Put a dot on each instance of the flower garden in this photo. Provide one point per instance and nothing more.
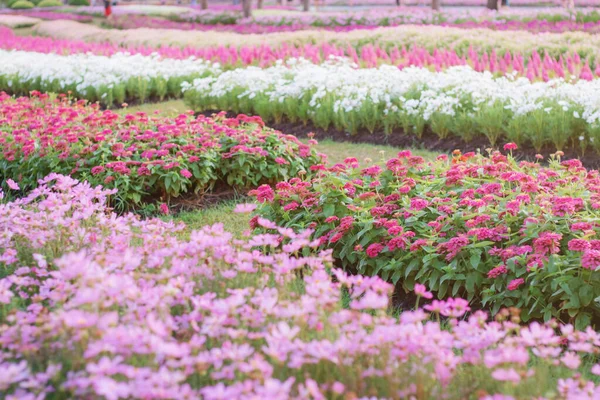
(199, 205)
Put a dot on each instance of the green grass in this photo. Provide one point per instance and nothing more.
(218, 213)
(338, 151)
(169, 108)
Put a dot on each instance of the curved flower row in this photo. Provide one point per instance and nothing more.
(94, 305)
(459, 101)
(113, 79)
(146, 157)
(487, 228)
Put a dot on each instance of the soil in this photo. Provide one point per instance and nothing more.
(428, 141)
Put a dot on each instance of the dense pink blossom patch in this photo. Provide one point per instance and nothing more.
(490, 228)
(146, 157)
(95, 305)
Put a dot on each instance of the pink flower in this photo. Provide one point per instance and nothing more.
(497, 271)
(374, 249)
(164, 209)
(263, 194)
(591, 259)
(186, 173)
(579, 245)
(244, 208)
(515, 283)
(291, 206)
(506, 375)
(510, 146)
(421, 291)
(12, 184)
(97, 169)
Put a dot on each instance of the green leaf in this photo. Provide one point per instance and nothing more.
(582, 321)
(475, 259)
(480, 244)
(586, 295)
(413, 264)
(471, 279)
(328, 210)
(396, 276)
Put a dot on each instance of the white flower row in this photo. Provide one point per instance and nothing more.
(457, 88)
(84, 72)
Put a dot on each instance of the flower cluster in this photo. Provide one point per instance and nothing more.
(94, 305)
(146, 157)
(487, 228)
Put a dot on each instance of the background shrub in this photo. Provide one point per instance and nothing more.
(50, 3)
(22, 5)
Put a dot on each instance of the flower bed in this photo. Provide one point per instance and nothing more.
(458, 101)
(534, 67)
(110, 80)
(486, 228)
(95, 305)
(148, 159)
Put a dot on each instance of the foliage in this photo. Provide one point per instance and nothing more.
(490, 229)
(147, 158)
(50, 3)
(79, 2)
(22, 5)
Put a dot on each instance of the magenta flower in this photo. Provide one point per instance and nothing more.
(515, 283)
(510, 146)
(186, 173)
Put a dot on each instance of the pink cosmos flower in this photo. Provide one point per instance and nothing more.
(421, 291)
(244, 208)
(506, 375)
(12, 184)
